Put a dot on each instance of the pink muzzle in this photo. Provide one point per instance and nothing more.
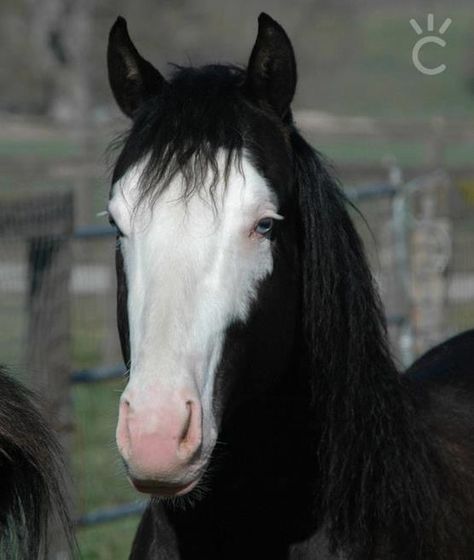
(160, 437)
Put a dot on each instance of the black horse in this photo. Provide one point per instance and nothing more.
(263, 403)
(31, 481)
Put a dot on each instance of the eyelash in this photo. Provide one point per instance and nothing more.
(115, 226)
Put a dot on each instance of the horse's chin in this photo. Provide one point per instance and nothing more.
(163, 489)
(171, 483)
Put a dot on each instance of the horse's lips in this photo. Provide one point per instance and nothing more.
(162, 489)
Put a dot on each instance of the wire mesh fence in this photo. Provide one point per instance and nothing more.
(419, 238)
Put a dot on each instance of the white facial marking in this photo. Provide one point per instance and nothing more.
(191, 271)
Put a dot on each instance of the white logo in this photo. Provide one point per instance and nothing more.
(415, 54)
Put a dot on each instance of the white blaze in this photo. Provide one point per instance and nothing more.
(192, 269)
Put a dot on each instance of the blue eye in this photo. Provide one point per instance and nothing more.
(264, 227)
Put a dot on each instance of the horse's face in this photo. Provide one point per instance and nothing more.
(205, 277)
(193, 268)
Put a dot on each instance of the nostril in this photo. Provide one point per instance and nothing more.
(122, 433)
(186, 428)
(124, 409)
(124, 406)
(190, 439)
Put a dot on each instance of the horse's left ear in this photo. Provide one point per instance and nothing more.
(271, 72)
(132, 78)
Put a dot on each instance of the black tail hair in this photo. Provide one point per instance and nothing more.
(382, 478)
(31, 480)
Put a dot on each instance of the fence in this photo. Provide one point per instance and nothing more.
(411, 263)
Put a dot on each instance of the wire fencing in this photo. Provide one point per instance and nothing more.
(419, 237)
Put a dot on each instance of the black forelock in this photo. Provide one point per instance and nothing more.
(200, 112)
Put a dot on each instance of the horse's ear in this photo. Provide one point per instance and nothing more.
(271, 72)
(132, 78)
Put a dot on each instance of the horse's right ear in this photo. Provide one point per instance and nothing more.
(132, 78)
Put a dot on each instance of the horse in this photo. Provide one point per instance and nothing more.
(31, 482)
(263, 411)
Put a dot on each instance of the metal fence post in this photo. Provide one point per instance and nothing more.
(400, 219)
(430, 247)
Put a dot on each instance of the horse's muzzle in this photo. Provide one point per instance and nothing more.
(160, 440)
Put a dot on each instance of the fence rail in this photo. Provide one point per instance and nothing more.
(106, 515)
(98, 374)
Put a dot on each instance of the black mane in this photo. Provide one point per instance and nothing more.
(31, 477)
(380, 468)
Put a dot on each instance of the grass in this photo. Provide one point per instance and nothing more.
(108, 542)
(89, 332)
(96, 409)
(98, 477)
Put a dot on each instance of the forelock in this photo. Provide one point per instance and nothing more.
(198, 117)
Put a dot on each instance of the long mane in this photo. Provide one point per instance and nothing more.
(31, 484)
(380, 471)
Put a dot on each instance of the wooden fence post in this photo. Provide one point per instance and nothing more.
(45, 221)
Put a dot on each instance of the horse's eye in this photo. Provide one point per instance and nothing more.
(115, 226)
(264, 227)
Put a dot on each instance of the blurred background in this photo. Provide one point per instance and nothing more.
(402, 142)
